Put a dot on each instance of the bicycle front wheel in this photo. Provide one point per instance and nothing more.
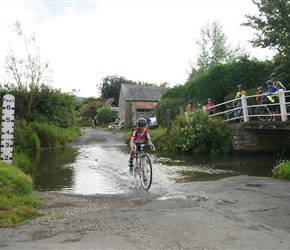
(262, 112)
(113, 129)
(123, 129)
(146, 173)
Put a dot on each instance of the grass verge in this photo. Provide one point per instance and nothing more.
(18, 202)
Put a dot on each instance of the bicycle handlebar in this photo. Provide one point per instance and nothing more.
(144, 145)
(141, 145)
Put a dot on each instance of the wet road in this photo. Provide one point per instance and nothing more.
(97, 163)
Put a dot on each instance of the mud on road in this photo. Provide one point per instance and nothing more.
(233, 213)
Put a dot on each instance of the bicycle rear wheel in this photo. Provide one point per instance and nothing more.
(262, 112)
(146, 173)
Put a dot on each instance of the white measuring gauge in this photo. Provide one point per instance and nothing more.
(7, 128)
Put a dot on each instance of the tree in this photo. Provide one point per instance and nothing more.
(89, 109)
(106, 115)
(213, 49)
(27, 73)
(272, 25)
(273, 32)
(111, 86)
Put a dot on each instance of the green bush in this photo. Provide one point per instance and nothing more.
(159, 138)
(25, 139)
(51, 135)
(200, 135)
(282, 171)
(22, 161)
(106, 115)
(46, 133)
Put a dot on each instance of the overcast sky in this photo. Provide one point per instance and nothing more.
(141, 40)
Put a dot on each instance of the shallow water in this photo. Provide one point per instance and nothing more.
(104, 169)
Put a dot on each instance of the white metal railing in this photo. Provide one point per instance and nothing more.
(249, 111)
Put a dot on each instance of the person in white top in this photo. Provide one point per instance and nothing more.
(277, 84)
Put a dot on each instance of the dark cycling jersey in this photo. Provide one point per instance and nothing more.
(140, 137)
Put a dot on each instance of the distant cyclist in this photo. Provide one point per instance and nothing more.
(260, 97)
(118, 120)
(140, 134)
(272, 99)
(277, 84)
(239, 94)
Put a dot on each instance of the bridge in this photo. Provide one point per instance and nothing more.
(251, 131)
(251, 111)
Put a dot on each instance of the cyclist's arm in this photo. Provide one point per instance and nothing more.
(152, 147)
(132, 143)
(282, 86)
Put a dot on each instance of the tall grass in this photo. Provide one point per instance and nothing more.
(17, 199)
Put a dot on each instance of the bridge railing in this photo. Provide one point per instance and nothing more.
(249, 106)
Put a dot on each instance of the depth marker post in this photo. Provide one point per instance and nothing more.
(7, 128)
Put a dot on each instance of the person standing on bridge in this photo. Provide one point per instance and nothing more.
(260, 96)
(239, 94)
(277, 84)
(271, 99)
(210, 106)
(240, 91)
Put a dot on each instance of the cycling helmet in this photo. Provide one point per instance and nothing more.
(272, 75)
(260, 88)
(208, 99)
(141, 122)
(269, 82)
(240, 86)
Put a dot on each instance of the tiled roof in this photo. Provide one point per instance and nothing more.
(142, 93)
(106, 101)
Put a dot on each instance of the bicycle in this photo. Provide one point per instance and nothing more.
(235, 112)
(118, 128)
(142, 169)
(262, 112)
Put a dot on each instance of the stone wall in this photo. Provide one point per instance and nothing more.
(260, 137)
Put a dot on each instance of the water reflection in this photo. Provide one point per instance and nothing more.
(54, 168)
(204, 168)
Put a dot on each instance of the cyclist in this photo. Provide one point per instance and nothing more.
(239, 94)
(140, 134)
(209, 106)
(118, 120)
(240, 91)
(276, 84)
(271, 99)
(260, 97)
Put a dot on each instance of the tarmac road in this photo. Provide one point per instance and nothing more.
(233, 213)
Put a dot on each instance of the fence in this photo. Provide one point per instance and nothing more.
(248, 108)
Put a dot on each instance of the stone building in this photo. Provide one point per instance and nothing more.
(137, 100)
